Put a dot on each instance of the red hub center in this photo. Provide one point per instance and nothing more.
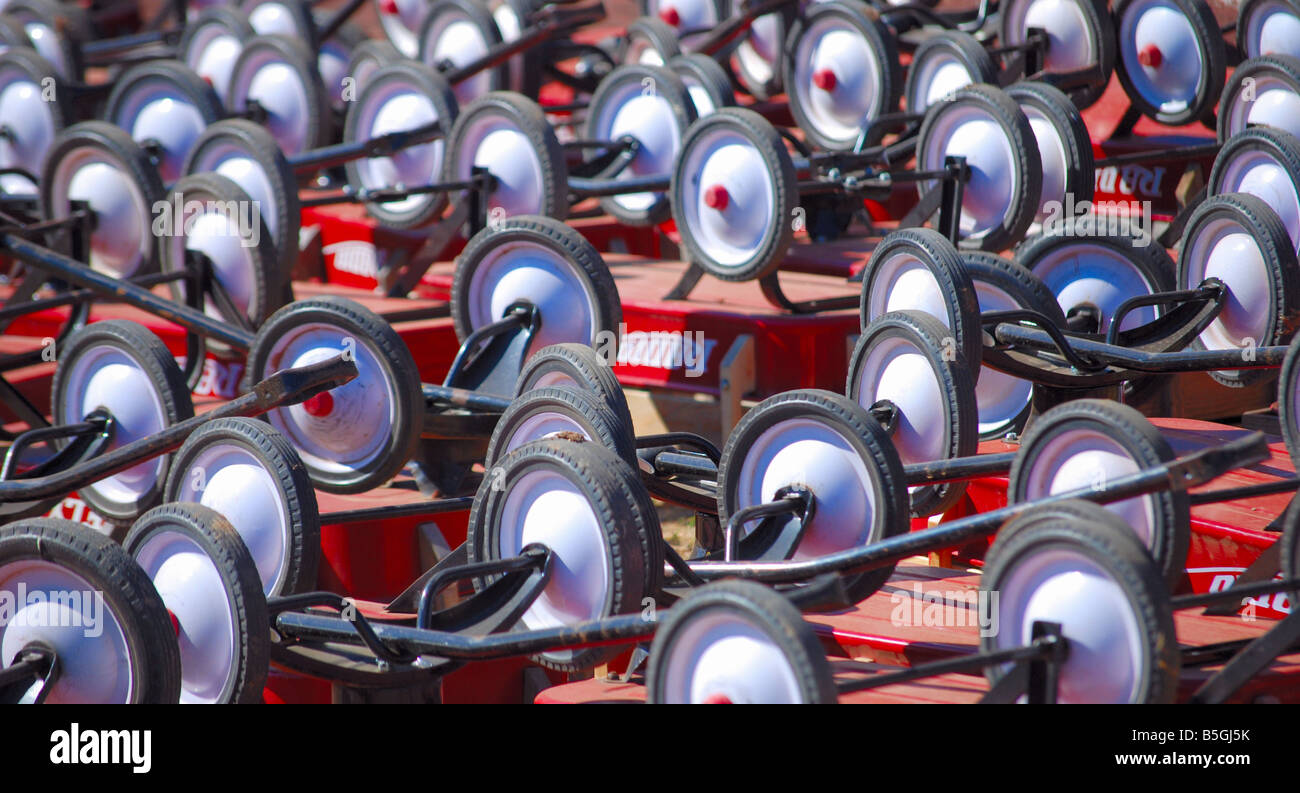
(388, 7)
(176, 624)
(715, 197)
(717, 699)
(1150, 56)
(670, 16)
(320, 405)
(825, 79)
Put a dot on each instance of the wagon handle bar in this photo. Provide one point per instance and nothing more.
(1180, 474)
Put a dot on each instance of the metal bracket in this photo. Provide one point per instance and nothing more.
(30, 677)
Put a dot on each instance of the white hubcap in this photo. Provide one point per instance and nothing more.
(64, 611)
(192, 589)
(231, 481)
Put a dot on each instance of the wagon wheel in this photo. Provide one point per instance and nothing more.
(121, 367)
(135, 657)
(359, 435)
(1080, 35)
(508, 134)
(907, 366)
(834, 448)
(841, 73)
(398, 97)
(589, 508)
(1266, 164)
(1268, 27)
(1172, 58)
(734, 194)
(275, 78)
(560, 411)
(737, 642)
(986, 127)
(652, 105)
(208, 582)
(1089, 442)
(165, 106)
(250, 474)
(211, 43)
(545, 264)
(1080, 566)
(1240, 240)
(918, 269)
(1262, 92)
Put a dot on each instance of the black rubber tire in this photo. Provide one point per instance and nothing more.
(228, 554)
(1282, 146)
(948, 268)
(852, 422)
(229, 18)
(70, 23)
(771, 146)
(1258, 220)
(666, 85)
(577, 366)
(598, 422)
(1290, 544)
(257, 145)
(1026, 292)
(527, 116)
(298, 11)
(698, 70)
(269, 281)
(155, 654)
(955, 376)
(168, 382)
(368, 56)
(278, 457)
(883, 45)
(1214, 54)
(758, 87)
(1150, 261)
(302, 61)
(1020, 137)
(31, 66)
(1288, 399)
(624, 511)
(1061, 113)
(1102, 30)
(763, 608)
(175, 74)
(475, 13)
(360, 323)
(1139, 438)
(1284, 68)
(13, 35)
(1020, 284)
(431, 86)
(962, 46)
(1247, 48)
(128, 157)
(1109, 544)
(657, 34)
(553, 236)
